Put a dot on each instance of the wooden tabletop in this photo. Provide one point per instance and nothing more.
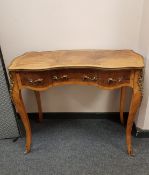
(106, 59)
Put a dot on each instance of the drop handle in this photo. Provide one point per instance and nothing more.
(55, 77)
(111, 80)
(85, 77)
(36, 82)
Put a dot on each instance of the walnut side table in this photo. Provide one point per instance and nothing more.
(106, 69)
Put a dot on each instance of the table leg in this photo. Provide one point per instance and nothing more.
(18, 101)
(135, 103)
(122, 104)
(38, 99)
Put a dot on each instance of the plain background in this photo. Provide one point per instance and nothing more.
(33, 25)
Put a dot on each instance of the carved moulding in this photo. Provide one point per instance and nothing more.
(140, 81)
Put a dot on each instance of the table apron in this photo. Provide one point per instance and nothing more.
(105, 79)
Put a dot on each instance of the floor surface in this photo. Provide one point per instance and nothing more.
(75, 147)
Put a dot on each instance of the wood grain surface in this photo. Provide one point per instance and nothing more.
(107, 59)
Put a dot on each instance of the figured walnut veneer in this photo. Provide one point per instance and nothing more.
(108, 59)
(106, 69)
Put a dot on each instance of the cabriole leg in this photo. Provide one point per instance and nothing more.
(18, 102)
(38, 99)
(122, 104)
(135, 103)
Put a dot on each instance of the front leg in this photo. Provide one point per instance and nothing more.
(135, 103)
(18, 102)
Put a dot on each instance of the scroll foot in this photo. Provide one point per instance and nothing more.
(130, 151)
(26, 151)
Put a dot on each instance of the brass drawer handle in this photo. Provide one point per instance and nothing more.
(120, 79)
(63, 77)
(111, 80)
(35, 82)
(85, 77)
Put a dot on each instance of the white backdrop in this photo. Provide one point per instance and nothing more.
(33, 25)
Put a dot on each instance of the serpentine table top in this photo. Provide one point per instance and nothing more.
(107, 59)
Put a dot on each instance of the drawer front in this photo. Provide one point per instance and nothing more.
(114, 78)
(35, 79)
(107, 78)
(74, 75)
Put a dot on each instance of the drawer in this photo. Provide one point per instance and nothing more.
(74, 75)
(35, 79)
(114, 78)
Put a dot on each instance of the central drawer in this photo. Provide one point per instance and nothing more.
(74, 75)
